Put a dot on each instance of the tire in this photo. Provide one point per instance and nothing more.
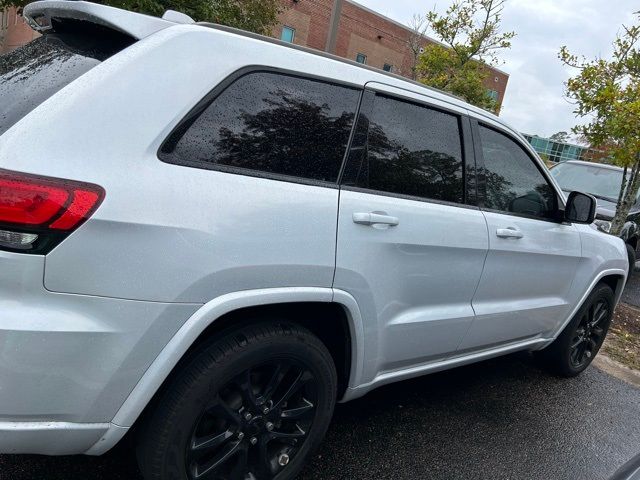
(631, 253)
(576, 347)
(257, 400)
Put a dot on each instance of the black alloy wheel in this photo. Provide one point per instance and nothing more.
(578, 344)
(248, 404)
(589, 335)
(255, 425)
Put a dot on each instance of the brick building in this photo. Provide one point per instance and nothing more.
(14, 31)
(363, 35)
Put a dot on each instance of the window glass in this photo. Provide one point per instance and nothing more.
(387, 67)
(288, 34)
(412, 150)
(514, 183)
(271, 123)
(493, 94)
(603, 182)
(361, 58)
(32, 73)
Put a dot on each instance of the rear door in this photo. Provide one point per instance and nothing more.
(532, 257)
(410, 247)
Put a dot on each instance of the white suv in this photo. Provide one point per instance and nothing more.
(209, 237)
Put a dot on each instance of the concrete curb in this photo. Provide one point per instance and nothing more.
(616, 369)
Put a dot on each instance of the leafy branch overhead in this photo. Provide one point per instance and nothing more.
(258, 16)
(471, 39)
(606, 92)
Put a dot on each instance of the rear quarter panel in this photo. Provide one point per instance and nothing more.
(165, 232)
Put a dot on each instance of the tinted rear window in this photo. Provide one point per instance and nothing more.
(272, 123)
(34, 72)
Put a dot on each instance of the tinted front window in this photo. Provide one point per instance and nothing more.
(34, 72)
(514, 183)
(412, 150)
(271, 123)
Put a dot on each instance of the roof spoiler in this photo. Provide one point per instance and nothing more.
(39, 15)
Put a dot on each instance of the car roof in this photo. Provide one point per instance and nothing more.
(39, 15)
(592, 164)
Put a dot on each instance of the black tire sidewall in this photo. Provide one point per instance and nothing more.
(218, 363)
(601, 292)
(631, 254)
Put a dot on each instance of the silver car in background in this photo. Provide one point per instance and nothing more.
(211, 237)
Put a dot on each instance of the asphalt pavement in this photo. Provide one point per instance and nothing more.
(501, 419)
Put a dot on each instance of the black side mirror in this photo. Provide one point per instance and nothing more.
(581, 208)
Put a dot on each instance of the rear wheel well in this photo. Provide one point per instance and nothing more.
(327, 321)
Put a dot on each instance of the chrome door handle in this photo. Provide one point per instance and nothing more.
(509, 232)
(375, 219)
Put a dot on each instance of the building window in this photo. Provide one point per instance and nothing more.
(493, 95)
(387, 67)
(288, 34)
(361, 58)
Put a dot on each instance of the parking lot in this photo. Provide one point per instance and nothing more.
(502, 419)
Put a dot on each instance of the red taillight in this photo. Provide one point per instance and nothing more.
(45, 205)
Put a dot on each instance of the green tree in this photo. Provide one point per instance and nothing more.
(258, 16)
(607, 93)
(561, 137)
(470, 33)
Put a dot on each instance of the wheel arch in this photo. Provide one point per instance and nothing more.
(615, 278)
(238, 309)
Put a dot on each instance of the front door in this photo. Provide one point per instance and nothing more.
(409, 250)
(532, 258)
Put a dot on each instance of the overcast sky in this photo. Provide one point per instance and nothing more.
(534, 101)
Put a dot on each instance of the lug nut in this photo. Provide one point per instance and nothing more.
(269, 426)
(265, 410)
(283, 460)
(240, 436)
(248, 417)
(253, 440)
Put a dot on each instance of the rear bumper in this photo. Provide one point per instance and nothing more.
(68, 362)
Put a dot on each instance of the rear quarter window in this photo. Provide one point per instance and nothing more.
(273, 123)
(34, 72)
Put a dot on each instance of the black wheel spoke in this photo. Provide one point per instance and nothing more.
(600, 313)
(243, 382)
(299, 381)
(298, 434)
(211, 442)
(274, 382)
(240, 470)
(220, 409)
(583, 351)
(298, 412)
(264, 466)
(576, 343)
(207, 469)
